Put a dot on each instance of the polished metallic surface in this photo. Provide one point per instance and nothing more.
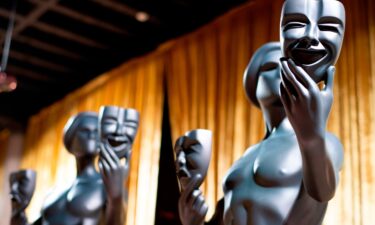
(94, 197)
(264, 60)
(22, 186)
(118, 128)
(193, 154)
(85, 199)
(311, 34)
(289, 177)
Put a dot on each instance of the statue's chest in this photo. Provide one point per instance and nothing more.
(82, 200)
(278, 163)
(264, 183)
(86, 199)
(275, 162)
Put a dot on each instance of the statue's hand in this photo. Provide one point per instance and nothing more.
(191, 205)
(112, 173)
(126, 167)
(306, 106)
(18, 204)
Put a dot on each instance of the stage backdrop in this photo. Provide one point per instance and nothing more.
(138, 85)
(204, 83)
(205, 90)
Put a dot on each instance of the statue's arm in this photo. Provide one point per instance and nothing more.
(322, 160)
(217, 218)
(191, 215)
(19, 219)
(113, 179)
(192, 206)
(307, 108)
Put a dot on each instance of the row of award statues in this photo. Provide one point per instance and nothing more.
(286, 179)
(95, 197)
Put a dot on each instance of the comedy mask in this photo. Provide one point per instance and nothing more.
(312, 33)
(117, 129)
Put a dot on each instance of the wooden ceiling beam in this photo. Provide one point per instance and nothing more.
(33, 16)
(45, 46)
(83, 18)
(38, 62)
(52, 30)
(21, 72)
(68, 35)
(118, 7)
(124, 9)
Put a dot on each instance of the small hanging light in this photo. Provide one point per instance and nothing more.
(7, 82)
(142, 16)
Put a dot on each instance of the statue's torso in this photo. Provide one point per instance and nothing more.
(264, 186)
(82, 204)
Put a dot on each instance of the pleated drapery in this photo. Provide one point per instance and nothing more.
(205, 86)
(4, 139)
(204, 72)
(135, 85)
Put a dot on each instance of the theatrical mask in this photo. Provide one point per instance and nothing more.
(311, 34)
(117, 129)
(193, 153)
(22, 186)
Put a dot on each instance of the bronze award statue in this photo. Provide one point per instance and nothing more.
(193, 154)
(93, 198)
(289, 177)
(22, 186)
(117, 130)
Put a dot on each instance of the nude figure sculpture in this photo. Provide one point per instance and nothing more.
(22, 186)
(289, 177)
(94, 197)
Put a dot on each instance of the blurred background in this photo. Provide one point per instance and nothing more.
(180, 64)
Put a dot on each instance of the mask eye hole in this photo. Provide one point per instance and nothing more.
(329, 27)
(294, 25)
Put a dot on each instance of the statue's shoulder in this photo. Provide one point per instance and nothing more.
(54, 196)
(252, 150)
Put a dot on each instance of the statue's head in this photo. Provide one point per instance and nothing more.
(22, 186)
(311, 34)
(117, 128)
(262, 75)
(81, 134)
(193, 153)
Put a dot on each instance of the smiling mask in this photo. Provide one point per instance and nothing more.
(117, 128)
(311, 34)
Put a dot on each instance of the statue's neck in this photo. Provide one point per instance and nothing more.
(86, 166)
(274, 117)
(284, 127)
(19, 218)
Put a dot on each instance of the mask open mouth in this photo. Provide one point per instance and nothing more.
(307, 56)
(183, 173)
(15, 197)
(118, 143)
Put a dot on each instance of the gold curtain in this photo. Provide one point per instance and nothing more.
(4, 196)
(205, 86)
(205, 90)
(138, 85)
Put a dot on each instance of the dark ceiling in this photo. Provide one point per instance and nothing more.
(58, 46)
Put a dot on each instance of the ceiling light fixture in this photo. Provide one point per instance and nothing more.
(8, 83)
(142, 16)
